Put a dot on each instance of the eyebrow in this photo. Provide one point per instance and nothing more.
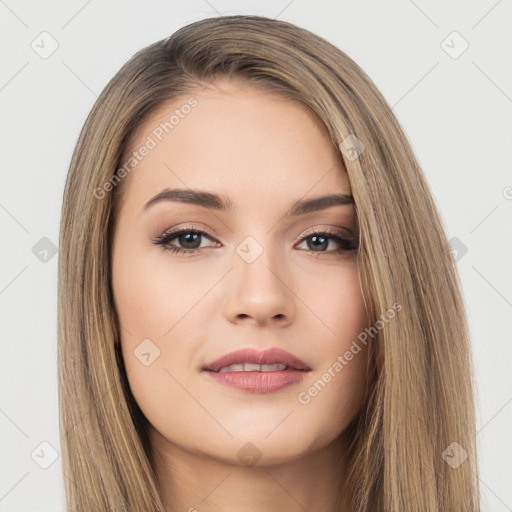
(213, 201)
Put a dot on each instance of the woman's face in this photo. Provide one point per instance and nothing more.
(262, 276)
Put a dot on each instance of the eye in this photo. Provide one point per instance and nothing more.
(190, 238)
(322, 238)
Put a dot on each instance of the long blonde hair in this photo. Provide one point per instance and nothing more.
(420, 390)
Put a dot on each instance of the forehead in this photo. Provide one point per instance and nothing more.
(237, 140)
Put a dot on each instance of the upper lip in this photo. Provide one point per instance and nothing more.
(250, 355)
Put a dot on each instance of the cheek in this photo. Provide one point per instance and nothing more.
(150, 307)
(160, 310)
(151, 296)
(337, 301)
(337, 390)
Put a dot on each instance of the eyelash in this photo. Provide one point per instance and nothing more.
(165, 238)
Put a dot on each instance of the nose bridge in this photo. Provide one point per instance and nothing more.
(259, 262)
(259, 281)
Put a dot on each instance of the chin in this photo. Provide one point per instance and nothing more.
(256, 447)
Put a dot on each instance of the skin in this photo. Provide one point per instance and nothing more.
(264, 153)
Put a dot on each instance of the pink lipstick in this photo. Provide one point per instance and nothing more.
(257, 372)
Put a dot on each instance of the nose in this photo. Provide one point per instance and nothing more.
(260, 292)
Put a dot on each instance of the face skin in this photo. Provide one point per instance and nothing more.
(264, 153)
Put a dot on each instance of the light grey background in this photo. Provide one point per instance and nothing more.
(456, 110)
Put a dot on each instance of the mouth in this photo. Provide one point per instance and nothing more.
(257, 372)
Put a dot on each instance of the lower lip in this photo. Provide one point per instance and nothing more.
(258, 382)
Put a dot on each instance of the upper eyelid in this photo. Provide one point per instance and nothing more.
(331, 230)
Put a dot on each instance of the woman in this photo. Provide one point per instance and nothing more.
(258, 308)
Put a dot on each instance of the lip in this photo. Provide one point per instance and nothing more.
(258, 382)
(250, 355)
